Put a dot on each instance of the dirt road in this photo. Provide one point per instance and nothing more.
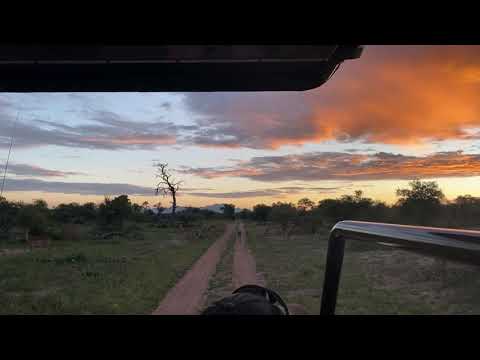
(244, 267)
(187, 297)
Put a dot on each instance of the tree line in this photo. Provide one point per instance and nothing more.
(37, 219)
(422, 203)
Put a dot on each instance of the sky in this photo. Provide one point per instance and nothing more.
(395, 114)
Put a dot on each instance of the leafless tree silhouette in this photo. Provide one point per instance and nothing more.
(167, 185)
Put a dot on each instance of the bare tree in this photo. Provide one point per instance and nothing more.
(167, 185)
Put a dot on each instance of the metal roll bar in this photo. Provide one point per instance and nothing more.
(454, 244)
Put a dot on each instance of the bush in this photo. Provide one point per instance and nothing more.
(55, 234)
(162, 225)
(284, 214)
(33, 220)
(133, 231)
(8, 214)
(71, 232)
(132, 227)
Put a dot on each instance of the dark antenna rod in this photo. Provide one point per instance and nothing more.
(8, 157)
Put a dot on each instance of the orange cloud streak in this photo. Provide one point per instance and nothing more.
(392, 95)
(344, 166)
(133, 140)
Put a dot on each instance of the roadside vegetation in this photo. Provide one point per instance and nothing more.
(422, 203)
(121, 258)
(290, 244)
(114, 258)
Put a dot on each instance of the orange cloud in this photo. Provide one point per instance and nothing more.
(391, 95)
(434, 95)
(346, 166)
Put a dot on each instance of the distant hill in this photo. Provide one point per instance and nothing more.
(217, 208)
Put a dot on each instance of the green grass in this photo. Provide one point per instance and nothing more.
(116, 276)
(292, 268)
(375, 279)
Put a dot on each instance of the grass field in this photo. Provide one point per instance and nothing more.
(375, 279)
(130, 274)
(121, 275)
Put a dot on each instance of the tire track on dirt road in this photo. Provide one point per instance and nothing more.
(244, 266)
(188, 295)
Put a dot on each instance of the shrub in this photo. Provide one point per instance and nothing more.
(71, 232)
(55, 233)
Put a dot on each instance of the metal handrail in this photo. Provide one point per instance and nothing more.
(454, 244)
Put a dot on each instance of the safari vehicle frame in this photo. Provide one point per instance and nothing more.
(453, 244)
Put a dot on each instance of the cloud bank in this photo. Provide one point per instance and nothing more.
(347, 166)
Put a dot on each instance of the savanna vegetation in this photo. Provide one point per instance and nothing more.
(290, 244)
(119, 257)
(422, 203)
(113, 258)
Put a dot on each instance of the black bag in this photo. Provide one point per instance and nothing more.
(249, 300)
